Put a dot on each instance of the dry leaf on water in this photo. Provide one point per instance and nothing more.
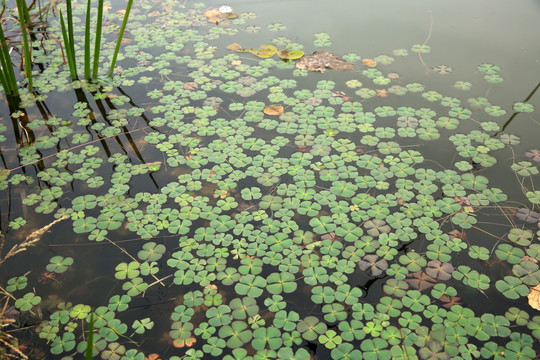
(274, 110)
(534, 297)
(382, 93)
(191, 85)
(215, 16)
(228, 15)
(369, 62)
(235, 47)
(321, 60)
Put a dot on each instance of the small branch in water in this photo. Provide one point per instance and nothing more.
(427, 39)
(128, 254)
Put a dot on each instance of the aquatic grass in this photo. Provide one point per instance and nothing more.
(90, 62)
(70, 51)
(120, 36)
(97, 45)
(90, 339)
(207, 237)
(7, 74)
(87, 49)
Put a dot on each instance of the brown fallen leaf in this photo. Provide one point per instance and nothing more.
(213, 15)
(191, 85)
(534, 297)
(274, 110)
(235, 47)
(369, 62)
(528, 258)
(420, 280)
(449, 301)
(322, 60)
(382, 93)
(228, 15)
(216, 16)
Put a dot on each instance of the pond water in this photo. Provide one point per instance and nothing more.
(372, 196)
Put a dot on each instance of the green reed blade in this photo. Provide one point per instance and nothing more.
(26, 45)
(70, 27)
(87, 43)
(120, 35)
(10, 82)
(97, 46)
(4, 81)
(69, 50)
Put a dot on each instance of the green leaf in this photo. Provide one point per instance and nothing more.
(27, 302)
(311, 328)
(59, 264)
(281, 282)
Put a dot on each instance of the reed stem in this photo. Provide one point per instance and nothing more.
(7, 77)
(120, 35)
(69, 49)
(24, 19)
(97, 46)
(87, 42)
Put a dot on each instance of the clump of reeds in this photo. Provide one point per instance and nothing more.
(90, 62)
(7, 74)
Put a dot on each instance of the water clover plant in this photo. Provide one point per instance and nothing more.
(240, 208)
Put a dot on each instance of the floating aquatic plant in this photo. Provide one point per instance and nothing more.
(267, 209)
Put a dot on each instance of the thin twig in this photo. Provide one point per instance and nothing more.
(427, 39)
(134, 259)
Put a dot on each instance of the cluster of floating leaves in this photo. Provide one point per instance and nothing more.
(283, 207)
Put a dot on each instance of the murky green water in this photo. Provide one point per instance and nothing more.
(386, 211)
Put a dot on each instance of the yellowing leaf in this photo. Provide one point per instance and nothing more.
(534, 297)
(290, 55)
(274, 110)
(265, 51)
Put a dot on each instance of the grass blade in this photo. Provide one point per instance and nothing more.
(97, 46)
(70, 27)
(120, 35)
(23, 21)
(69, 50)
(87, 43)
(9, 81)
